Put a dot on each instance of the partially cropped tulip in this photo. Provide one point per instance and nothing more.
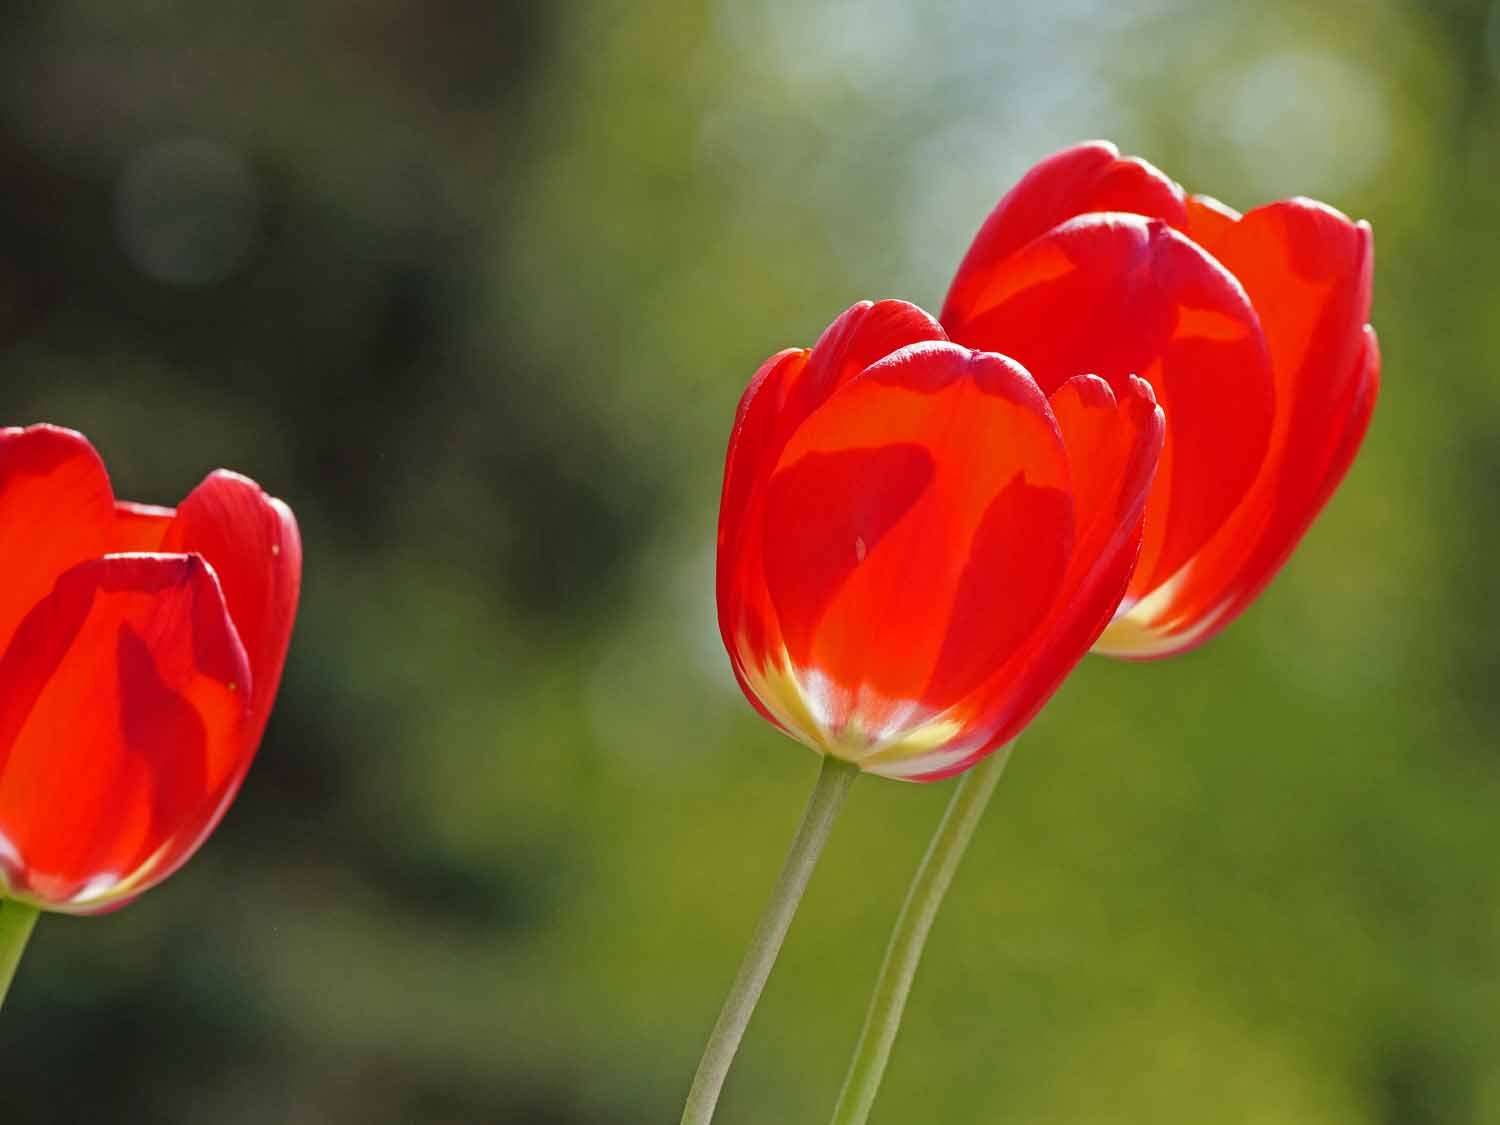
(140, 653)
(1251, 329)
(917, 544)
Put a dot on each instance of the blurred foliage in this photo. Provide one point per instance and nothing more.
(476, 286)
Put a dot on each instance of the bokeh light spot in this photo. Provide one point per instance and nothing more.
(187, 210)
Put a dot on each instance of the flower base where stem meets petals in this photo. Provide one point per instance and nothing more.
(16, 922)
(902, 955)
(765, 943)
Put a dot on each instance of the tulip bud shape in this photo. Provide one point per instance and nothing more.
(140, 653)
(1252, 330)
(916, 543)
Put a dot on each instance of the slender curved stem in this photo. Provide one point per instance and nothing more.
(913, 924)
(765, 943)
(16, 921)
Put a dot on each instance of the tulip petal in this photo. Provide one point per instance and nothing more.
(1120, 295)
(864, 333)
(1356, 412)
(252, 542)
(56, 510)
(750, 452)
(1112, 449)
(783, 392)
(1086, 178)
(139, 527)
(751, 440)
(123, 701)
(1209, 220)
(1309, 272)
(916, 531)
(1308, 269)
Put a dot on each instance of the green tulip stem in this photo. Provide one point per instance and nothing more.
(16, 921)
(923, 898)
(765, 943)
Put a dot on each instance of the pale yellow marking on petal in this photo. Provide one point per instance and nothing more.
(907, 769)
(902, 745)
(97, 892)
(915, 742)
(1145, 627)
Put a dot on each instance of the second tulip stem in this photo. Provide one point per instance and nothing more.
(16, 922)
(904, 952)
(765, 943)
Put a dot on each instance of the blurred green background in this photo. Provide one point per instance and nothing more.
(475, 286)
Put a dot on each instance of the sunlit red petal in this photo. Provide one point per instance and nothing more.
(1120, 296)
(56, 510)
(251, 541)
(1209, 220)
(786, 389)
(123, 702)
(742, 619)
(1356, 412)
(139, 527)
(1112, 451)
(916, 531)
(1090, 177)
(865, 333)
(1308, 270)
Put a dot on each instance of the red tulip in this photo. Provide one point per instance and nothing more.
(1252, 330)
(916, 545)
(140, 652)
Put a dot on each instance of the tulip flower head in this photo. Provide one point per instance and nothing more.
(916, 544)
(140, 653)
(1252, 329)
